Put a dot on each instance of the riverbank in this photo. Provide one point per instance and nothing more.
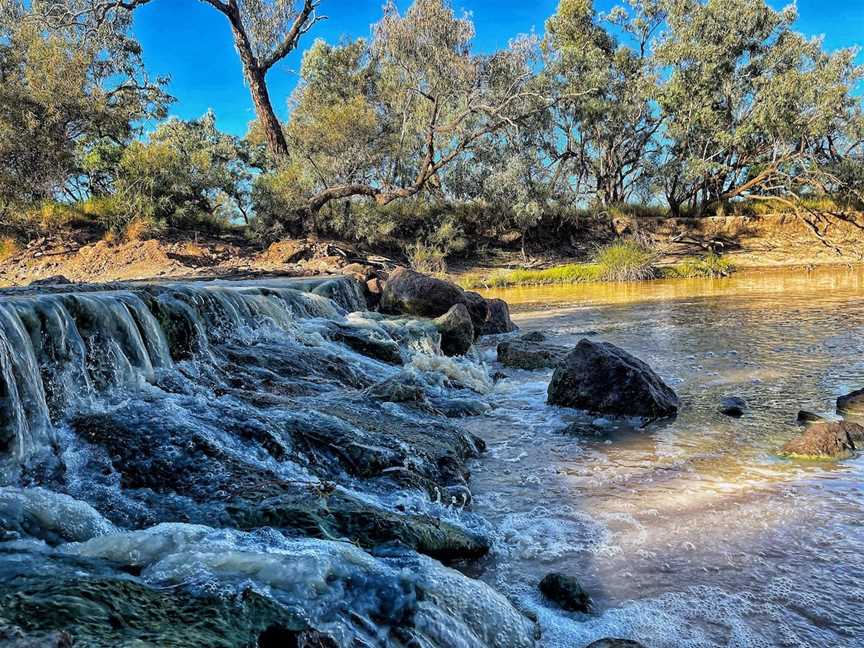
(677, 248)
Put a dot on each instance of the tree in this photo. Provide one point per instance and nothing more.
(65, 95)
(264, 31)
(187, 174)
(747, 102)
(604, 125)
(418, 98)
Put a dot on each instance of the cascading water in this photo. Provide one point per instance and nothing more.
(243, 454)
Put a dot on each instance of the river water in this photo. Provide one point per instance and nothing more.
(693, 532)
(241, 464)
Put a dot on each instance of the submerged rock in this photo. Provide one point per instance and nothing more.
(456, 329)
(367, 343)
(347, 292)
(410, 293)
(566, 592)
(611, 642)
(851, 404)
(339, 515)
(498, 320)
(733, 406)
(531, 352)
(827, 440)
(600, 377)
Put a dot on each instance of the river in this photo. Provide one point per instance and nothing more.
(693, 533)
(263, 463)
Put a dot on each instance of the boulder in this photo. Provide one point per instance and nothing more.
(733, 406)
(827, 440)
(498, 320)
(851, 404)
(478, 308)
(410, 293)
(360, 271)
(456, 329)
(599, 377)
(56, 280)
(566, 592)
(612, 642)
(530, 352)
(804, 417)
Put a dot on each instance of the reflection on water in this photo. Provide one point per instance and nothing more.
(693, 533)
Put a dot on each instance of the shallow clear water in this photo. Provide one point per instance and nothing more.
(693, 532)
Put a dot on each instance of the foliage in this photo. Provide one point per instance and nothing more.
(711, 266)
(187, 175)
(66, 94)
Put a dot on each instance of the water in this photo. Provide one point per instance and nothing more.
(693, 533)
(201, 464)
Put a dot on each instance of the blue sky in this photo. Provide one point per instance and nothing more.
(191, 42)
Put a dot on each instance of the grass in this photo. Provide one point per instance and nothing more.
(619, 261)
(8, 248)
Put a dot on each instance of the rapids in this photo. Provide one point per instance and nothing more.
(221, 463)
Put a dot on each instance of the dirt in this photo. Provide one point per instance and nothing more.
(772, 240)
(95, 260)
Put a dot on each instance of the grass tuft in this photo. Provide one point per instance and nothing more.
(710, 266)
(626, 260)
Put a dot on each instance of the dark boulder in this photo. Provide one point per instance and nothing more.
(478, 308)
(530, 352)
(733, 406)
(612, 642)
(410, 293)
(56, 280)
(851, 404)
(827, 440)
(456, 329)
(804, 417)
(498, 319)
(566, 592)
(599, 377)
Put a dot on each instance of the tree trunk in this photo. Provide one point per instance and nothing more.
(255, 74)
(276, 143)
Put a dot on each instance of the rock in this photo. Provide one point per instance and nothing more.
(401, 388)
(530, 352)
(805, 417)
(341, 515)
(374, 286)
(366, 343)
(56, 280)
(733, 406)
(566, 592)
(851, 404)
(611, 642)
(325, 265)
(599, 377)
(478, 308)
(411, 293)
(498, 320)
(359, 271)
(456, 329)
(827, 440)
(347, 292)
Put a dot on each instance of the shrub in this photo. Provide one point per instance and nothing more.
(626, 260)
(426, 258)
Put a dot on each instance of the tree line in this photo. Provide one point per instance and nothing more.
(681, 106)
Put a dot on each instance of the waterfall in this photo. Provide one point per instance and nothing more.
(59, 350)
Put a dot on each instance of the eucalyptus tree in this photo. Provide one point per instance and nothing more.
(747, 103)
(67, 96)
(404, 105)
(264, 33)
(605, 122)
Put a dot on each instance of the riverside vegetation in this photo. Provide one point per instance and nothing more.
(411, 143)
